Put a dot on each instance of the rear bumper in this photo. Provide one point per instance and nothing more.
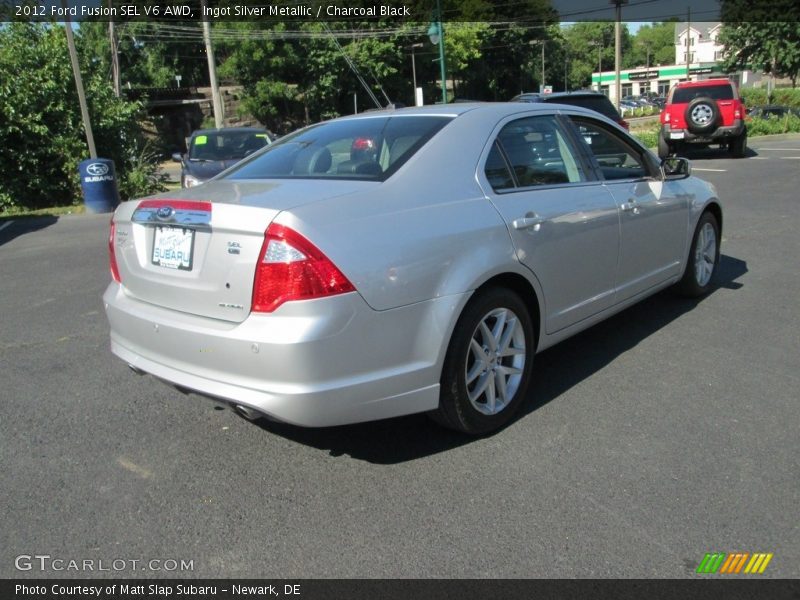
(316, 363)
(719, 135)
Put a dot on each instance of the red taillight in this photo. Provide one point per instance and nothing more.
(625, 124)
(112, 256)
(292, 268)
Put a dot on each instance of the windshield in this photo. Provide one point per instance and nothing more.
(226, 145)
(370, 148)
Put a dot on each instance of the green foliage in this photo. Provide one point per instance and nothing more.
(648, 136)
(758, 97)
(150, 53)
(773, 125)
(41, 131)
(653, 44)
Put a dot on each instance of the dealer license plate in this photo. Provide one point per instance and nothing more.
(676, 135)
(173, 247)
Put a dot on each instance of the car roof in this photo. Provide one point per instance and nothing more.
(496, 110)
(227, 129)
(704, 82)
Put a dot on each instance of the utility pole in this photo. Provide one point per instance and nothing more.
(414, 66)
(114, 53)
(76, 71)
(618, 50)
(212, 69)
(688, 42)
(542, 86)
(599, 44)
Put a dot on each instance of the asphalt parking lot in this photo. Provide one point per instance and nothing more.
(667, 432)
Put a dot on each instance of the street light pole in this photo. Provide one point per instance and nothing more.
(436, 35)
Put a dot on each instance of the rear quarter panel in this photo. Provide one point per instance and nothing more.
(426, 232)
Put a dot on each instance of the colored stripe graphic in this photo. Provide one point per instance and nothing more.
(731, 564)
(758, 564)
(711, 562)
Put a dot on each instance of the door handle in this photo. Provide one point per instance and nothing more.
(630, 206)
(528, 221)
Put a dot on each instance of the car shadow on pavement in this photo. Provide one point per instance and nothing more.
(711, 153)
(14, 227)
(402, 439)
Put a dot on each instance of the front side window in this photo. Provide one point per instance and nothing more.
(536, 151)
(615, 158)
(369, 148)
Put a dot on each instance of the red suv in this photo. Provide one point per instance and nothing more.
(702, 113)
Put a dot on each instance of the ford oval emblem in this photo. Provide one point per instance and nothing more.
(165, 212)
(97, 169)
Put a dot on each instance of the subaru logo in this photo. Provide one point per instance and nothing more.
(165, 212)
(97, 169)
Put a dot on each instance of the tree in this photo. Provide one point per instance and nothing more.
(41, 133)
(772, 47)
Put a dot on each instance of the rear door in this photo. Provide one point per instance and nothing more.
(564, 224)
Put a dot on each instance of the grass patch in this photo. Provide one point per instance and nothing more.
(55, 211)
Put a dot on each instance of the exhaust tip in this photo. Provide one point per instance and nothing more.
(248, 413)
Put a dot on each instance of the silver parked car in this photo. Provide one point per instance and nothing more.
(403, 261)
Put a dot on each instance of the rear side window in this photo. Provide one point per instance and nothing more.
(537, 153)
(370, 148)
(715, 92)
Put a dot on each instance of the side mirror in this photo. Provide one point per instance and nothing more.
(675, 167)
(177, 157)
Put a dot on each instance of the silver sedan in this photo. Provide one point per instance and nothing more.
(403, 261)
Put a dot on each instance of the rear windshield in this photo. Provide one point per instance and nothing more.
(226, 145)
(599, 104)
(716, 92)
(370, 148)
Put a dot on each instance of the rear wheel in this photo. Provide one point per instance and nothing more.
(738, 147)
(488, 363)
(703, 260)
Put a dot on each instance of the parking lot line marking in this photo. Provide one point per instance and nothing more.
(6, 224)
(759, 157)
(134, 468)
(790, 157)
(780, 149)
(716, 170)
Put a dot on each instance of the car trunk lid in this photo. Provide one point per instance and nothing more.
(196, 250)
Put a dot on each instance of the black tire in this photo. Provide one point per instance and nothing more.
(702, 115)
(663, 147)
(477, 417)
(738, 147)
(696, 281)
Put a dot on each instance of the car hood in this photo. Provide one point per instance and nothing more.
(207, 169)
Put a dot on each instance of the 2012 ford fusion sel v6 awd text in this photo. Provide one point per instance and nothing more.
(403, 261)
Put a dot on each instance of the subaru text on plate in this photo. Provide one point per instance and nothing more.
(403, 261)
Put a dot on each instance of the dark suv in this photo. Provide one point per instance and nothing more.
(703, 113)
(587, 99)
